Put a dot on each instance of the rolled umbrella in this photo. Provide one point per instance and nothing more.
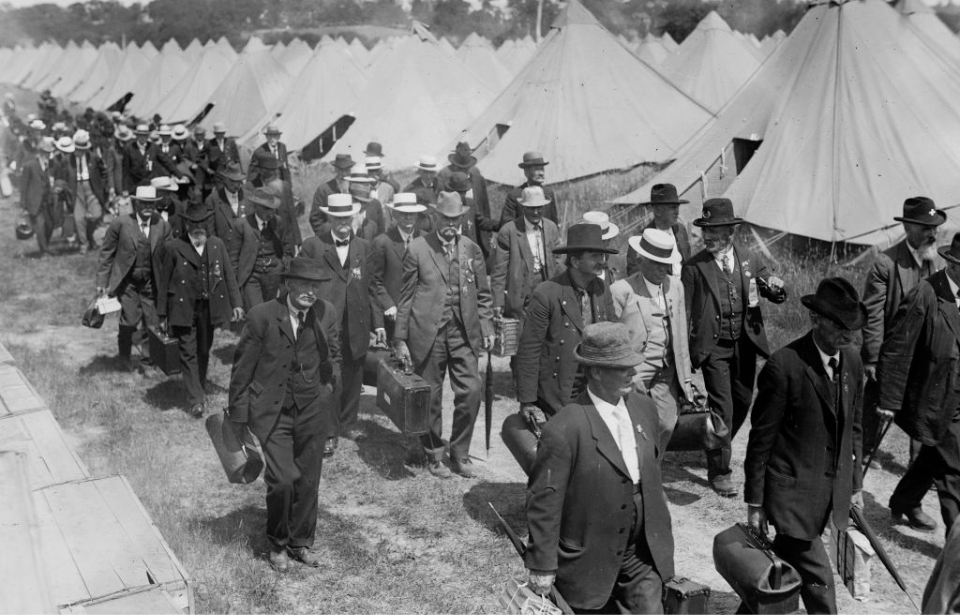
(488, 400)
(876, 447)
(858, 520)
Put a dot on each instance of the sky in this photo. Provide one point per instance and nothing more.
(19, 3)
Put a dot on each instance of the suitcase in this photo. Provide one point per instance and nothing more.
(506, 336)
(164, 352)
(403, 397)
(681, 595)
(764, 582)
(239, 457)
(520, 440)
(371, 364)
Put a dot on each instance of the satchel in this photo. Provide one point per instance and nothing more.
(238, 455)
(91, 316)
(518, 599)
(700, 426)
(24, 227)
(765, 583)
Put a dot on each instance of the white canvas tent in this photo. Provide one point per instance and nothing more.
(479, 56)
(254, 84)
(121, 81)
(652, 51)
(188, 97)
(158, 80)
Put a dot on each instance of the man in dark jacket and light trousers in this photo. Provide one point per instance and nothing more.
(803, 463)
(597, 516)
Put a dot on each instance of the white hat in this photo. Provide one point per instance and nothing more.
(406, 203)
(180, 132)
(38, 125)
(428, 163)
(341, 205)
(165, 131)
(373, 162)
(164, 183)
(532, 196)
(65, 145)
(656, 245)
(81, 139)
(146, 193)
(601, 219)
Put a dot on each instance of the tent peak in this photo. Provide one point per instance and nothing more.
(713, 21)
(574, 14)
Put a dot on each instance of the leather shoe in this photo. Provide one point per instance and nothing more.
(723, 486)
(439, 470)
(916, 518)
(463, 467)
(357, 435)
(329, 448)
(305, 556)
(196, 411)
(279, 560)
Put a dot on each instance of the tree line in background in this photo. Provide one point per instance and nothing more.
(99, 21)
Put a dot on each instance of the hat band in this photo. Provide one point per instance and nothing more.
(653, 250)
(340, 209)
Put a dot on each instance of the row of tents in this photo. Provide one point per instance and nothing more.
(822, 133)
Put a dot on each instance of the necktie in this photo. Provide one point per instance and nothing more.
(727, 263)
(300, 319)
(627, 448)
(145, 228)
(834, 368)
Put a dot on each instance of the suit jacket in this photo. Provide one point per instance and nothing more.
(546, 365)
(262, 360)
(179, 286)
(223, 217)
(917, 368)
(423, 294)
(138, 167)
(218, 158)
(615, 268)
(513, 279)
(253, 171)
(174, 151)
(580, 501)
(199, 161)
(347, 288)
(118, 253)
(35, 186)
(701, 285)
(478, 186)
(66, 170)
(804, 453)
(511, 205)
(247, 234)
(679, 235)
(894, 274)
(426, 195)
(626, 304)
(288, 208)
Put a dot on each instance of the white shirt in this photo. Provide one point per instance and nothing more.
(342, 251)
(720, 256)
(144, 226)
(954, 289)
(535, 239)
(406, 237)
(656, 292)
(83, 172)
(233, 199)
(613, 417)
(199, 249)
(260, 223)
(825, 359)
(294, 313)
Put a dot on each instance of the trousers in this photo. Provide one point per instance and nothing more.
(137, 306)
(729, 375)
(810, 559)
(664, 389)
(194, 343)
(939, 464)
(43, 228)
(349, 387)
(263, 285)
(86, 214)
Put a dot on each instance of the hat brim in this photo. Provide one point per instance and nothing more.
(941, 218)
(420, 167)
(677, 202)
(197, 219)
(145, 199)
(340, 165)
(451, 158)
(635, 243)
(847, 321)
(612, 231)
(182, 137)
(542, 203)
(944, 251)
(591, 248)
(275, 204)
(733, 222)
(66, 150)
(237, 177)
(83, 147)
(524, 165)
(354, 210)
(629, 359)
(308, 276)
(462, 211)
(408, 208)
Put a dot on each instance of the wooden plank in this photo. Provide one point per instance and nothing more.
(63, 576)
(51, 460)
(24, 588)
(5, 357)
(154, 600)
(16, 394)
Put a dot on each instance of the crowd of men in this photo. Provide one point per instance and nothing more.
(608, 341)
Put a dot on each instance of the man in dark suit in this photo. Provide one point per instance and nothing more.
(130, 263)
(336, 185)
(274, 148)
(549, 375)
(462, 161)
(226, 204)
(476, 225)
(535, 169)
(722, 290)
(196, 151)
(168, 147)
(87, 178)
(143, 160)
(803, 463)
(665, 205)
(264, 247)
(285, 369)
(388, 251)
(425, 185)
(599, 459)
(346, 258)
(919, 384)
(269, 176)
(36, 194)
(443, 322)
(223, 151)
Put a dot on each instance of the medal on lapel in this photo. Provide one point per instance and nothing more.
(641, 431)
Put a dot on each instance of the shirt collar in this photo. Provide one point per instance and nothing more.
(445, 243)
(294, 312)
(719, 255)
(954, 288)
(916, 255)
(143, 222)
(825, 358)
(405, 236)
(604, 406)
(260, 221)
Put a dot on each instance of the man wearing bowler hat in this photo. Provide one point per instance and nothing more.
(273, 148)
(338, 184)
(264, 248)
(599, 525)
(917, 372)
(665, 205)
(548, 374)
(722, 289)
(535, 170)
(346, 258)
(285, 369)
(444, 320)
(803, 463)
(389, 250)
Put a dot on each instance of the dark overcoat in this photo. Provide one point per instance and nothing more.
(180, 285)
(513, 276)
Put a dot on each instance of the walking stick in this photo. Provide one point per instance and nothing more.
(488, 400)
(876, 447)
(858, 520)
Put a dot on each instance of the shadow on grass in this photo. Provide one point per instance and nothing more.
(878, 517)
(103, 364)
(241, 526)
(166, 395)
(387, 452)
(675, 472)
(225, 353)
(508, 498)
(890, 463)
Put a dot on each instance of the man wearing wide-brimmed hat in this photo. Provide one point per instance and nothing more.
(535, 169)
(896, 271)
(285, 369)
(130, 263)
(143, 160)
(274, 148)
(462, 160)
(803, 463)
(722, 290)
(36, 193)
(598, 521)
(263, 249)
(917, 372)
(168, 146)
(226, 203)
(650, 303)
(371, 220)
(665, 205)
(444, 320)
(342, 165)
(389, 249)
(382, 189)
(548, 374)
(347, 258)
(85, 173)
(614, 265)
(223, 151)
(479, 227)
(196, 292)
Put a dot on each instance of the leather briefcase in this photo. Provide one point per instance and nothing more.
(371, 364)
(699, 426)
(764, 582)
(164, 352)
(238, 455)
(681, 595)
(403, 397)
(520, 440)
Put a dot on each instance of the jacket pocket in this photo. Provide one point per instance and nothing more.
(255, 388)
(780, 478)
(568, 549)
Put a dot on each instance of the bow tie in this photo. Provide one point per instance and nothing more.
(341, 242)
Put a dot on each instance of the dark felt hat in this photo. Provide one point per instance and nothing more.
(302, 268)
(951, 252)
(838, 300)
(232, 171)
(264, 197)
(196, 213)
(584, 238)
(265, 160)
(921, 210)
(374, 149)
(717, 212)
(664, 194)
(343, 161)
(459, 182)
(607, 344)
(462, 156)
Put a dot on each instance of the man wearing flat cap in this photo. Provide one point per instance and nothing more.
(273, 148)
(388, 252)
(548, 373)
(665, 205)
(917, 372)
(896, 271)
(264, 248)
(338, 184)
(722, 291)
(444, 320)
(196, 292)
(598, 521)
(285, 369)
(535, 170)
(803, 463)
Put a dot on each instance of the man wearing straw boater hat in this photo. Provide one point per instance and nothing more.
(722, 290)
(342, 164)
(917, 372)
(803, 457)
(535, 170)
(650, 303)
(143, 160)
(196, 292)
(665, 205)
(444, 320)
(382, 189)
(285, 369)
(548, 374)
(345, 258)
(425, 185)
(129, 267)
(264, 246)
(272, 148)
(226, 203)
(598, 521)
(168, 146)
(389, 249)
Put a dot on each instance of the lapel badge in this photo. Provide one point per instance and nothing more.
(641, 431)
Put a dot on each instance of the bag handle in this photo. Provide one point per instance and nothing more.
(777, 575)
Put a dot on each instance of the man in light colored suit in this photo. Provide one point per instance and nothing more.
(443, 322)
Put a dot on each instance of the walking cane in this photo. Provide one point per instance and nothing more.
(876, 447)
(861, 523)
(488, 400)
